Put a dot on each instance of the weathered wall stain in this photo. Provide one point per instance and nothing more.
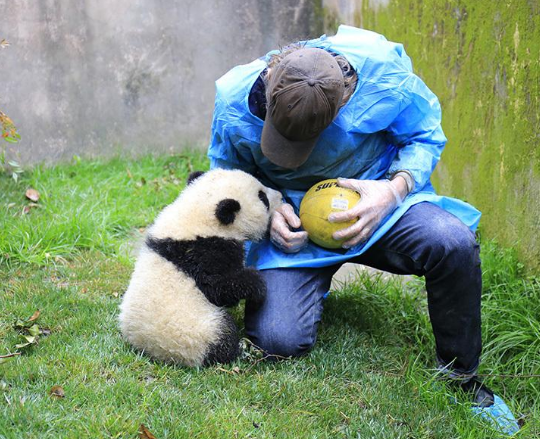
(482, 58)
(91, 77)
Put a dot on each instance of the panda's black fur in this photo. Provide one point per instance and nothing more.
(213, 264)
(216, 265)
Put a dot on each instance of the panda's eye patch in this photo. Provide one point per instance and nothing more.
(226, 211)
(264, 199)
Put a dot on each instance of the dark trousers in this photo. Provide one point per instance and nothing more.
(427, 241)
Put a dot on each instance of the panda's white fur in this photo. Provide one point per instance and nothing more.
(163, 312)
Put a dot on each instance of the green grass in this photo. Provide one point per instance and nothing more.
(368, 377)
(87, 205)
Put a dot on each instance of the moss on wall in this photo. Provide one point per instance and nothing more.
(482, 58)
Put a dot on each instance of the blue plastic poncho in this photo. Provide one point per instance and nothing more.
(391, 122)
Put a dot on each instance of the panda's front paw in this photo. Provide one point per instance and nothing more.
(244, 284)
(227, 302)
(255, 287)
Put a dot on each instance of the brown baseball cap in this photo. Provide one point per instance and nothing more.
(304, 94)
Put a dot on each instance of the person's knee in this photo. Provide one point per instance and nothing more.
(451, 240)
(286, 323)
(283, 342)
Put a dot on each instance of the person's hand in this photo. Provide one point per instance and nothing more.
(378, 198)
(283, 220)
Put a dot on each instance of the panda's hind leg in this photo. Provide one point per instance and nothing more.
(227, 348)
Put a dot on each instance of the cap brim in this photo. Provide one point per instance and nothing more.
(281, 151)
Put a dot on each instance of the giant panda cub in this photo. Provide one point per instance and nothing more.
(192, 265)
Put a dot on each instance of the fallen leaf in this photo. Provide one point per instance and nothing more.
(34, 316)
(57, 391)
(32, 195)
(144, 433)
(26, 209)
(27, 324)
(19, 324)
(30, 338)
(29, 330)
(115, 294)
(34, 330)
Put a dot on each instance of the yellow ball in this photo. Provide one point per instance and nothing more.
(320, 201)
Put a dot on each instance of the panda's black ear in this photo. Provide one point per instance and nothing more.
(226, 210)
(194, 176)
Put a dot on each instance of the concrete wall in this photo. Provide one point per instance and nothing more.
(91, 77)
(482, 58)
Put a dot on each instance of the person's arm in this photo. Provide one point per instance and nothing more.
(414, 126)
(226, 149)
(416, 131)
